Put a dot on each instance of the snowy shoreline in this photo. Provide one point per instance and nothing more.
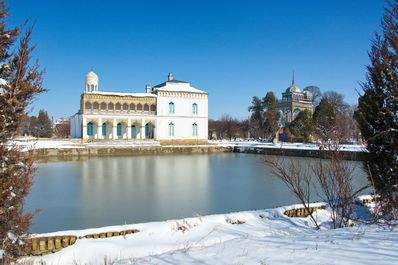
(28, 143)
(248, 237)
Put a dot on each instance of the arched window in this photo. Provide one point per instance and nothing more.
(194, 109)
(149, 132)
(146, 107)
(171, 108)
(133, 131)
(104, 129)
(171, 129)
(119, 129)
(132, 106)
(118, 106)
(153, 108)
(125, 106)
(296, 112)
(194, 129)
(90, 129)
(103, 106)
(95, 106)
(88, 106)
(139, 107)
(110, 106)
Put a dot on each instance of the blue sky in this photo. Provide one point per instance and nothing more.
(232, 49)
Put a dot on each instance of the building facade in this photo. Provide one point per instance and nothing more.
(171, 112)
(292, 103)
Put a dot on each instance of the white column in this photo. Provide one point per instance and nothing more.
(114, 129)
(84, 127)
(99, 129)
(128, 128)
(142, 133)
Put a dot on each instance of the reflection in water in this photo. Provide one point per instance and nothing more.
(117, 190)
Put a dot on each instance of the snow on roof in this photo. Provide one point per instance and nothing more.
(123, 94)
(177, 87)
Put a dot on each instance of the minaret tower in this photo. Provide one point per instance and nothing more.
(293, 79)
(91, 82)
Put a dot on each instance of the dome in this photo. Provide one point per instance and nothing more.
(91, 82)
(293, 88)
(91, 77)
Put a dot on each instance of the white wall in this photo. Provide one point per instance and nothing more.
(182, 117)
(76, 126)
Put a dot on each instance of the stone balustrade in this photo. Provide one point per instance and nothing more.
(302, 212)
(37, 246)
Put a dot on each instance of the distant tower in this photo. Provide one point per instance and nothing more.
(91, 82)
(293, 79)
(148, 89)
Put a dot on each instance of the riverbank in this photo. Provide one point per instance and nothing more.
(69, 148)
(348, 152)
(249, 237)
(66, 149)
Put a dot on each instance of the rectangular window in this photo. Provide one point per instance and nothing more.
(119, 129)
(194, 109)
(104, 129)
(171, 129)
(194, 129)
(90, 129)
(171, 108)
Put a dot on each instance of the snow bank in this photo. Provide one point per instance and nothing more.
(33, 143)
(251, 237)
(29, 143)
(300, 146)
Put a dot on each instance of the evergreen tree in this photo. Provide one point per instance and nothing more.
(270, 115)
(33, 127)
(44, 125)
(377, 112)
(303, 125)
(20, 82)
(324, 120)
(257, 110)
(264, 114)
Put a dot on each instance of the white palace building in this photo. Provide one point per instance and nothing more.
(171, 112)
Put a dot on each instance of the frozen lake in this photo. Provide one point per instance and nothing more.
(105, 191)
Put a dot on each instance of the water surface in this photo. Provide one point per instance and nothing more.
(107, 191)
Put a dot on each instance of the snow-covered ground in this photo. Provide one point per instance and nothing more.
(33, 143)
(251, 237)
(301, 146)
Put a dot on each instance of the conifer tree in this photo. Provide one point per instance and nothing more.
(264, 114)
(324, 120)
(44, 124)
(303, 125)
(20, 82)
(377, 113)
(270, 115)
(257, 110)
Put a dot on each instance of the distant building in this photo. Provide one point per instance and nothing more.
(293, 102)
(171, 112)
(61, 128)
